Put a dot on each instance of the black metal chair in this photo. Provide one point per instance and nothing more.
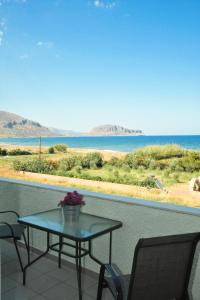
(161, 270)
(14, 231)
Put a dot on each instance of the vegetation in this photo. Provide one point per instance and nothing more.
(16, 152)
(3, 152)
(35, 166)
(170, 163)
(60, 148)
(125, 174)
(51, 150)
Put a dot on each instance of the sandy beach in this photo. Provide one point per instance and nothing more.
(107, 154)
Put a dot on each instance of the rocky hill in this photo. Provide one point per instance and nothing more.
(12, 125)
(109, 130)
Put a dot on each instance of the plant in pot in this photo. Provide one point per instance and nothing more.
(71, 206)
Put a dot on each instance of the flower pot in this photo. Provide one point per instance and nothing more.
(71, 213)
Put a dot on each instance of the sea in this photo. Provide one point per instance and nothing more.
(114, 143)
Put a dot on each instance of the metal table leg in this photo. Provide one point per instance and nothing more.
(60, 251)
(96, 259)
(37, 258)
(79, 268)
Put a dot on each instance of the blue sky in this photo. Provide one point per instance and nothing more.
(76, 64)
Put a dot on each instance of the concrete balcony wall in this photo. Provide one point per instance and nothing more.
(140, 219)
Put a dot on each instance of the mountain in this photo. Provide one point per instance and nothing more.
(12, 125)
(113, 130)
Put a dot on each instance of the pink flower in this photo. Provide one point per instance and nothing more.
(72, 198)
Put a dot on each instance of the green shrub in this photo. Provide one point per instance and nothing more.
(115, 162)
(166, 173)
(176, 178)
(116, 173)
(148, 182)
(18, 152)
(35, 166)
(160, 152)
(60, 148)
(189, 163)
(78, 169)
(141, 169)
(3, 152)
(153, 165)
(132, 161)
(126, 168)
(51, 150)
(92, 159)
(67, 164)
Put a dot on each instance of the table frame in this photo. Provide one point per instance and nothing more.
(80, 252)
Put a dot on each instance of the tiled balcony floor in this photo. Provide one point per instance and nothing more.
(44, 279)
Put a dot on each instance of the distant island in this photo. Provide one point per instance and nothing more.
(109, 130)
(12, 125)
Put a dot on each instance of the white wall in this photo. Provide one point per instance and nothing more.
(140, 219)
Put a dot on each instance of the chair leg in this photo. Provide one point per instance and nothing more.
(27, 247)
(18, 254)
(25, 241)
(101, 283)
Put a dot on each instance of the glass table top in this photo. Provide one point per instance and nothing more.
(87, 227)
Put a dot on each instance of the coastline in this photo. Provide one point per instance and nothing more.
(107, 153)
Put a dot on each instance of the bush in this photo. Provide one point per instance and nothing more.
(18, 152)
(116, 173)
(60, 148)
(115, 162)
(176, 178)
(161, 152)
(148, 182)
(166, 173)
(35, 166)
(67, 164)
(189, 163)
(91, 160)
(78, 169)
(126, 168)
(51, 150)
(134, 161)
(3, 152)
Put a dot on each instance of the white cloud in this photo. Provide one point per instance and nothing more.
(44, 44)
(104, 4)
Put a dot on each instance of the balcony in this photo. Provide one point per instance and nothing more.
(44, 280)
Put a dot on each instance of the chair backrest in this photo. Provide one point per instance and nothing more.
(162, 267)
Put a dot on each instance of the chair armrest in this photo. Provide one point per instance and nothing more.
(10, 211)
(10, 227)
(114, 276)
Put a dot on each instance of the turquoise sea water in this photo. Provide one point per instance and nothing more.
(117, 143)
